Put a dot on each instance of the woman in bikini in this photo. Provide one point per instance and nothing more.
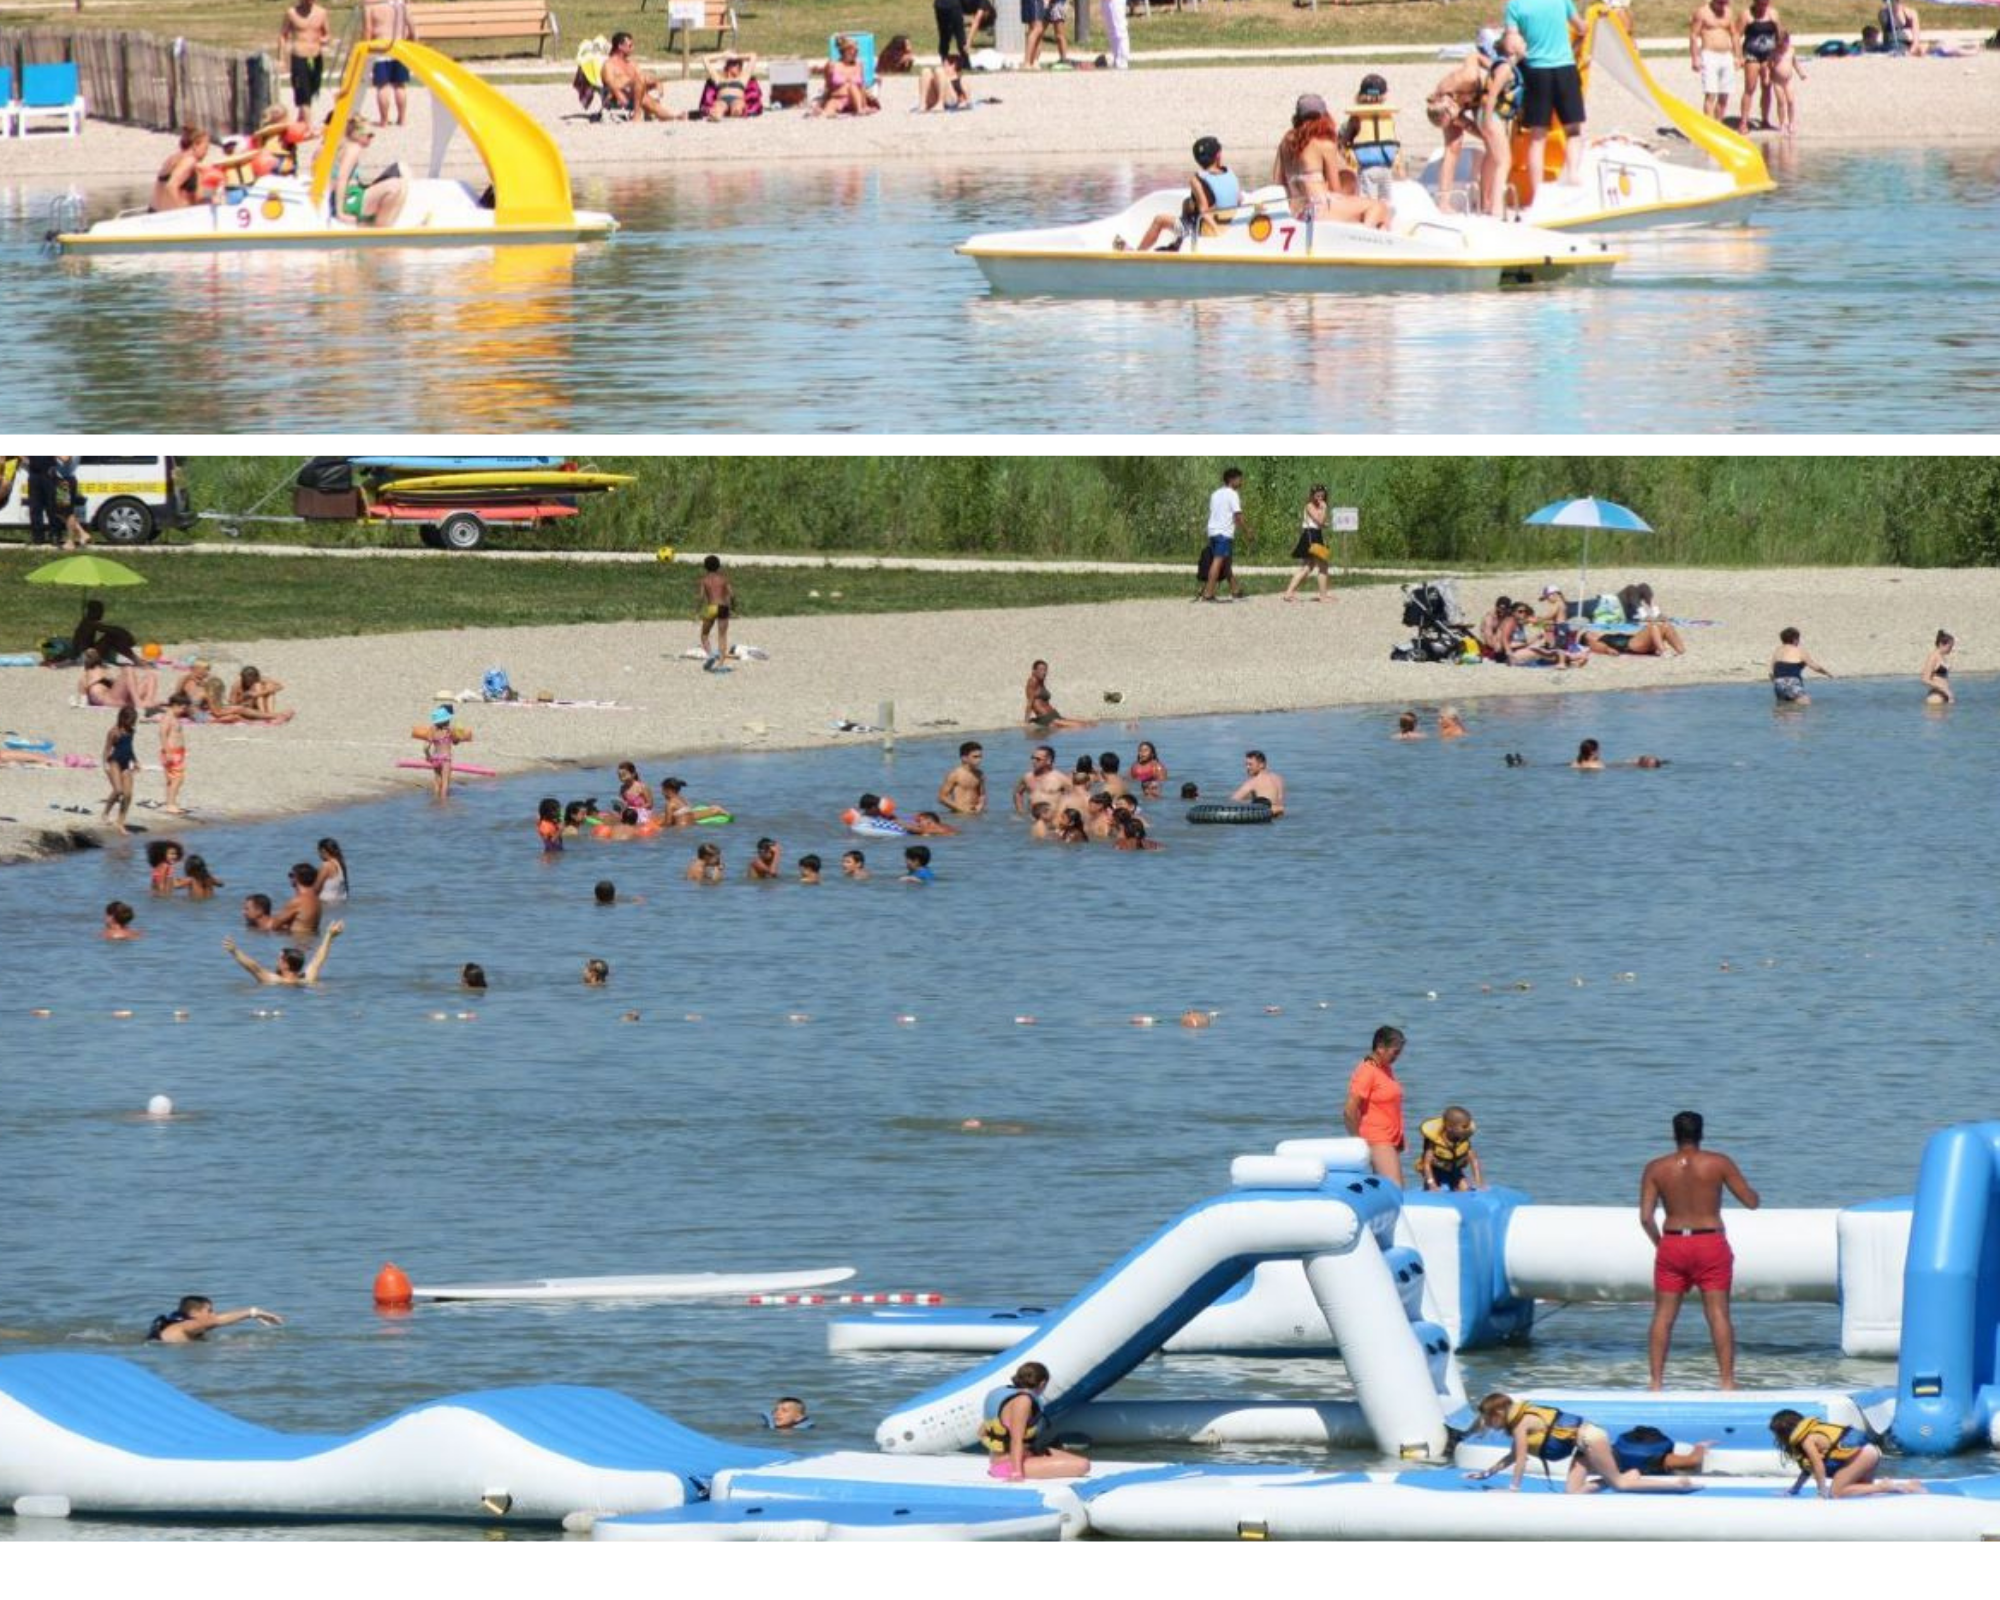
(634, 795)
(1308, 164)
(1148, 770)
(1657, 638)
(846, 89)
(101, 685)
(331, 883)
(1936, 675)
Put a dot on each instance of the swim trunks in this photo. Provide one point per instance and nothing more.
(1718, 72)
(390, 75)
(1788, 689)
(308, 74)
(1689, 1261)
(1551, 93)
(173, 761)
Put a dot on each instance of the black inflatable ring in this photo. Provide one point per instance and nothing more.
(1230, 811)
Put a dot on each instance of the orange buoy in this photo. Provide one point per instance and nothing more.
(392, 1288)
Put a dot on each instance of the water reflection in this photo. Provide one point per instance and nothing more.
(795, 299)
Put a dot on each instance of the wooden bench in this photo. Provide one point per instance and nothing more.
(444, 20)
(717, 14)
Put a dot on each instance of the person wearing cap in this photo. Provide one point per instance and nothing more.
(1538, 36)
(440, 737)
(1213, 188)
(1316, 181)
(369, 203)
(1368, 136)
(1478, 97)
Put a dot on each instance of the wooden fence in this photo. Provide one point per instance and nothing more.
(151, 82)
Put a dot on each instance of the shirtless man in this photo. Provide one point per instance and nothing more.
(302, 40)
(717, 599)
(293, 969)
(389, 20)
(1261, 784)
(196, 1317)
(299, 916)
(964, 787)
(1694, 1254)
(1040, 782)
(628, 87)
(1715, 51)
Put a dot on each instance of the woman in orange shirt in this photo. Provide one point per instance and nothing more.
(1375, 1104)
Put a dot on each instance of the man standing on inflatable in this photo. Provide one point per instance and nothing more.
(1691, 1251)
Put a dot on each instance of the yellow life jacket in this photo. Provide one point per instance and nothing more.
(1842, 1444)
(993, 1431)
(1446, 1153)
(1551, 1434)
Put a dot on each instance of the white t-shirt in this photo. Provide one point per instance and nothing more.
(1224, 507)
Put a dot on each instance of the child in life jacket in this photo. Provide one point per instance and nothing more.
(1016, 1433)
(1213, 188)
(1368, 138)
(1448, 1160)
(1841, 1461)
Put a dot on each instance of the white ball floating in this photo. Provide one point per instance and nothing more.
(1024, 1022)
(1142, 1021)
(160, 1106)
(797, 1016)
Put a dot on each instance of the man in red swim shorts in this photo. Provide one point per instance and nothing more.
(1691, 1253)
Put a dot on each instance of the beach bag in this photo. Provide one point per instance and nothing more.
(1204, 563)
(494, 686)
(1319, 552)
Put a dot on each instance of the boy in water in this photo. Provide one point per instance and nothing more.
(917, 865)
(854, 865)
(764, 865)
(964, 787)
(808, 869)
(717, 599)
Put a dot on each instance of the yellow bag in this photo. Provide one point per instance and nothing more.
(1319, 552)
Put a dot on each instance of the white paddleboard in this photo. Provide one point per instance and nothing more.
(657, 1286)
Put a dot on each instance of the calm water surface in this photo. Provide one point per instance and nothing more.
(1790, 927)
(827, 299)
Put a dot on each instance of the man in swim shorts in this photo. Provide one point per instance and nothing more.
(302, 41)
(716, 598)
(1691, 1252)
(1260, 784)
(389, 20)
(1040, 782)
(1551, 88)
(1715, 51)
(964, 787)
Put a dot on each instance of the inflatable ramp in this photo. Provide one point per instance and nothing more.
(112, 1439)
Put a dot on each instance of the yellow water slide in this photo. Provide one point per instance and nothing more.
(1606, 44)
(530, 182)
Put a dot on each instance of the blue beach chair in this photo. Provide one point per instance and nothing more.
(50, 92)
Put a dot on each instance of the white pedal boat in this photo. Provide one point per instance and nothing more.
(1260, 248)
(1625, 182)
(526, 200)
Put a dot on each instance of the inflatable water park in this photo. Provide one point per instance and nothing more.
(1305, 1250)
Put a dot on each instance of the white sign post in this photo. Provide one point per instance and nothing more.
(1346, 520)
(685, 15)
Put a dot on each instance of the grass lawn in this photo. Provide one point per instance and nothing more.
(296, 597)
(801, 28)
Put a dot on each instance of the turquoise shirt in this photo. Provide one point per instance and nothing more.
(1544, 24)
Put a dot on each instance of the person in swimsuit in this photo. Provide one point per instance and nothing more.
(633, 795)
(200, 883)
(1789, 665)
(181, 180)
(137, 687)
(1902, 34)
(964, 787)
(846, 91)
(1312, 552)
(1761, 33)
(302, 40)
(1374, 1109)
(1691, 1252)
(1588, 757)
(736, 90)
(1656, 638)
(716, 598)
(1549, 1435)
(765, 863)
(1041, 713)
(173, 750)
(1936, 676)
(299, 915)
(373, 203)
(330, 883)
(440, 737)
(706, 867)
(1475, 99)
(628, 88)
(1148, 770)
(1787, 71)
(1017, 1434)
(1853, 1456)
(1715, 49)
(163, 856)
(196, 1317)
(294, 969)
(121, 764)
(1309, 167)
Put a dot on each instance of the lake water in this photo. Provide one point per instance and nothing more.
(1790, 927)
(827, 299)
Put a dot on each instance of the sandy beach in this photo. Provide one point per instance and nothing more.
(1104, 115)
(950, 675)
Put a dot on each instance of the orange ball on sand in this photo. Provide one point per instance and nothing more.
(150, 651)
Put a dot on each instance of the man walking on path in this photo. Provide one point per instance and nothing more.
(1225, 526)
(1691, 1252)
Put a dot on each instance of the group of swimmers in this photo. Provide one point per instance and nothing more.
(1791, 661)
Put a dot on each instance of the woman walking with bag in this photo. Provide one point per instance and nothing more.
(1312, 551)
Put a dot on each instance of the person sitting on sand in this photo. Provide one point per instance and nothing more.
(196, 1317)
(1817, 1445)
(1547, 1434)
(368, 203)
(113, 644)
(100, 685)
(1017, 1435)
(1213, 188)
(1040, 712)
(629, 88)
(942, 88)
(1317, 183)
(1789, 664)
(1936, 676)
(1902, 33)
(846, 92)
(255, 698)
(732, 89)
(183, 180)
(293, 968)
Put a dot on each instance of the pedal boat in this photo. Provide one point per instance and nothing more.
(528, 201)
(1258, 247)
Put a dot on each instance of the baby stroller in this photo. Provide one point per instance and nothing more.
(1432, 609)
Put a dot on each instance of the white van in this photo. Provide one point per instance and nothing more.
(126, 499)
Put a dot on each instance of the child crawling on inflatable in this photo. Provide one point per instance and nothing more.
(1017, 1435)
(1819, 1446)
(1549, 1435)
